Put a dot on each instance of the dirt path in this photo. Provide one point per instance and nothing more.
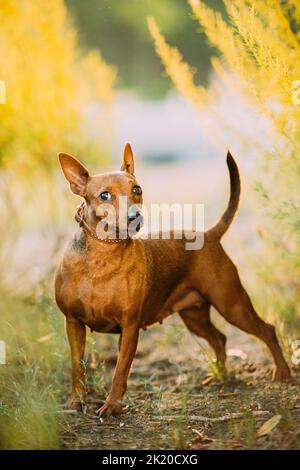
(172, 402)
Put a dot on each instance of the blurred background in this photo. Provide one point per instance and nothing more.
(92, 81)
(180, 80)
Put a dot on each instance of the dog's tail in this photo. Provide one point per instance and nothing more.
(218, 230)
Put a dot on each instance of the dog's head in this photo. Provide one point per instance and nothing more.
(113, 200)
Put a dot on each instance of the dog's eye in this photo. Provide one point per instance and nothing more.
(105, 196)
(137, 190)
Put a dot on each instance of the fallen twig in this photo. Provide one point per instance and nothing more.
(207, 419)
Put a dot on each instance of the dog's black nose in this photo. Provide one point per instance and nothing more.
(133, 217)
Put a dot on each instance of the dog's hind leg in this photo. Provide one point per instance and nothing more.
(243, 315)
(197, 320)
(232, 301)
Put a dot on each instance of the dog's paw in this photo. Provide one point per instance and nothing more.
(76, 404)
(282, 373)
(110, 408)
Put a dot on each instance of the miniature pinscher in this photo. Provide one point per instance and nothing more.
(120, 285)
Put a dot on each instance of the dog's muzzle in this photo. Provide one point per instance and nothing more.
(134, 216)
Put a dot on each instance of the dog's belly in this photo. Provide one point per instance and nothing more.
(181, 298)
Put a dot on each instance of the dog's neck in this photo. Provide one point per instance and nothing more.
(83, 243)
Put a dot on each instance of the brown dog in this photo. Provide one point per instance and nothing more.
(120, 286)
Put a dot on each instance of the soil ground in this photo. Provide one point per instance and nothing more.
(173, 401)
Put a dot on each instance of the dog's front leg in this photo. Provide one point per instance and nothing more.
(127, 349)
(76, 336)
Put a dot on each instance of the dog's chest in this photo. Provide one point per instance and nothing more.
(99, 289)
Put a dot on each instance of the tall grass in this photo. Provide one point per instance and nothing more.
(51, 87)
(260, 53)
(31, 380)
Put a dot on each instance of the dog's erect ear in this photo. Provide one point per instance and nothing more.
(128, 160)
(75, 173)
